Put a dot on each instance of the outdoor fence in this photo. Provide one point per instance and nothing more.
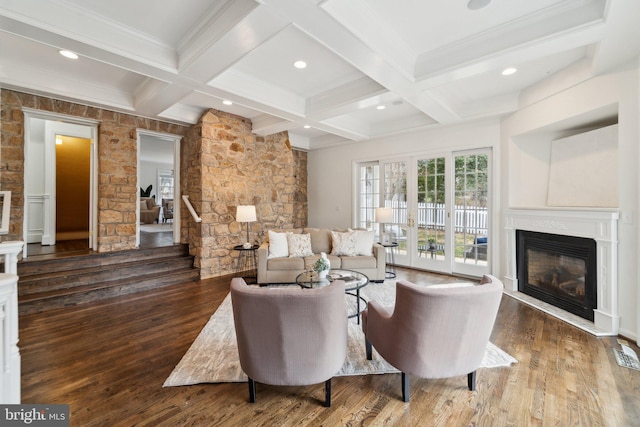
(469, 219)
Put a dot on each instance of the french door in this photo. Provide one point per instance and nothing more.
(440, 211)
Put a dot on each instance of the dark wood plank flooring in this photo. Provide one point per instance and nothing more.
(109, 359)
(81, 246)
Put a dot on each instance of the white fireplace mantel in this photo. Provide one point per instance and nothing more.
(600, 225)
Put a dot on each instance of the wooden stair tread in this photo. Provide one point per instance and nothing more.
(87, 272)
(66, 281)
(101, 285)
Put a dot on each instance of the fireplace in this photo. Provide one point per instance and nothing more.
(599, 225)
(557, 269)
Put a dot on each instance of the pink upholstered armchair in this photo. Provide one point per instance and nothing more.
(290, 336)
(436, 331)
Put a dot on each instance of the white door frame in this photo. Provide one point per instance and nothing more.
(49, 197)
(448, 264)
(175, 139)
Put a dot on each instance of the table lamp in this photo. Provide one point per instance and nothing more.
(246, 213)
(384, 216)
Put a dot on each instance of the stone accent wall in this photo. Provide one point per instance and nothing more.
(117, 164)
(224, 165)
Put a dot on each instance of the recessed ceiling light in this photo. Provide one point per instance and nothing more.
(227, 102)
(509, 71)
(477, 4)
(381, 107)
(68, 54)
(307, 126)
(300, 64)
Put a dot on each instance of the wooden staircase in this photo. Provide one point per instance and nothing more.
(67, 281)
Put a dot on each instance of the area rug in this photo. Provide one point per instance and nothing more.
(156, 228)
(213, 356)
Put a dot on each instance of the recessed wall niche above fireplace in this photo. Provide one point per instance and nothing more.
(557, 269)
(597, 225)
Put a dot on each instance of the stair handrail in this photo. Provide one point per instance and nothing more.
(191, 210)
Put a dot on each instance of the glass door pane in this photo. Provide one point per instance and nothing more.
(431, 248)
(395, 197)
(368, 195)
(471, 211)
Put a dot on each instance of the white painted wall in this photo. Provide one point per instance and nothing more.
(149, 175)
(331, 170)
(522, 153)
(526, 138)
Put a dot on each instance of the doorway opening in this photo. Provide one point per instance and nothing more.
(60, 200)
(73, 189)
(158, 179)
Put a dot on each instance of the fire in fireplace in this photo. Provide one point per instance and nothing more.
(558, 269)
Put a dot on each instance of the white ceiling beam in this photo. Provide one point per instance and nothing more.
(246, 86)
(620, 37)
(135, 65)
(497, 49)
(86, 28)
(266, 124)
(248, 34)
(222, 18)
(66, 87)
(322, 27)
(367, 27)
(342, 99)
(153, 97)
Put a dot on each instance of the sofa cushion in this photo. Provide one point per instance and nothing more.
(320, 240)
(334, 261)
(299, 245)
(278, 246)
(280, 264)
(358, 262)
(343, 244)
(364, 242)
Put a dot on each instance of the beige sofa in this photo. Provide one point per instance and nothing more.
(278, 265)
(149, 211)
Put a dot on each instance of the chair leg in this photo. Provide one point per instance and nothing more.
(405, 387)
(471, 380)
(367, 346)
(252, 391)
(327, 393)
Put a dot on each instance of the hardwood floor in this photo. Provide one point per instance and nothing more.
(81, 246)
(108, 360)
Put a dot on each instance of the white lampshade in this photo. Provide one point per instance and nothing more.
(384, 215)
(246, 213)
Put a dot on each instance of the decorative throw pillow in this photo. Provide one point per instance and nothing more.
(278, 246)
(364, 242)
(299, 245)
(343, 243)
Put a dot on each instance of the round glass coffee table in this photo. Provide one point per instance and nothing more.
(353, 282)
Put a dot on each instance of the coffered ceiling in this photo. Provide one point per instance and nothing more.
(427, 62)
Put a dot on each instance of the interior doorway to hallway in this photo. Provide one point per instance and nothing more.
(60, 183)
(159, 184)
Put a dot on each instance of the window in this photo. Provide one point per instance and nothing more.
(165, 185)
(368, 194)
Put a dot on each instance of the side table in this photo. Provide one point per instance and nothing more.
(246, 265)
(391, 260)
